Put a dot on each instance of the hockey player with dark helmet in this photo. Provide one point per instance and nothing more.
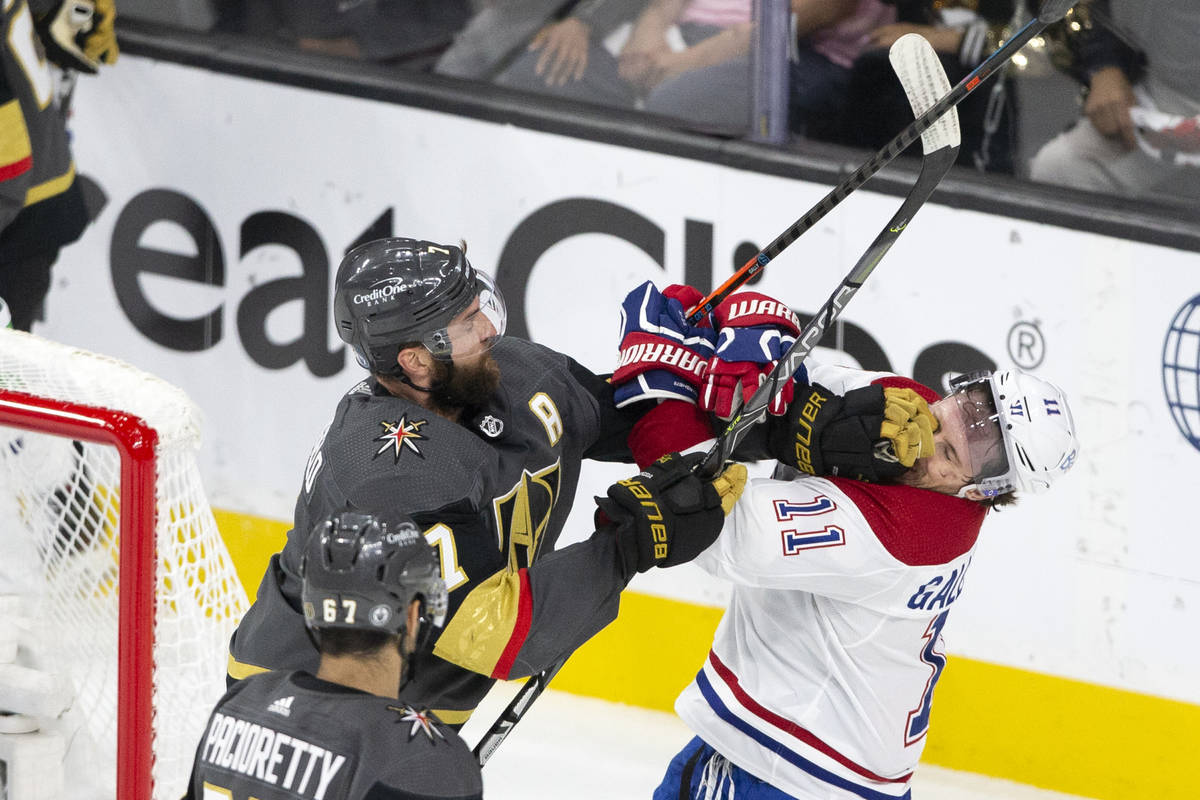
(417, 313)
(480, 439)
(365, 581)
(371, 589)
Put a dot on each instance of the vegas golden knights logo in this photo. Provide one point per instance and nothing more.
(523, 513)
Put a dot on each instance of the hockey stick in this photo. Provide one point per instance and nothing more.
(516, 709)
(911, 56)
(924, 80)
(1050, 12)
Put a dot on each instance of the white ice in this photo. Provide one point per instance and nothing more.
(578, 748)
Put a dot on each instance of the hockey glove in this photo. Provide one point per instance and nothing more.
(907, 429)
(63, 30)
(666, 515)
(755, 331)
(662, 357)
(869, 434)
(101, 44)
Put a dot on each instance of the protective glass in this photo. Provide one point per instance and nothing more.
(976, 407)
(476, 329)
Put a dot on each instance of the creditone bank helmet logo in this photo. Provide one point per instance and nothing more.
(379, 291)
(1181, 370)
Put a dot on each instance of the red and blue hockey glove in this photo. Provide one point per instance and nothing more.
(755, 330)
(662, 356)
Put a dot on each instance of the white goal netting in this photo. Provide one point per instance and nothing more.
(60, 515)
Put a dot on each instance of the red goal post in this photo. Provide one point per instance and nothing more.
(98, 465)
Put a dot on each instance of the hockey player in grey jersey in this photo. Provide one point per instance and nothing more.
(480, 438)
(371, 591)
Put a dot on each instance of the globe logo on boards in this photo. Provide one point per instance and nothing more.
(1181, 370)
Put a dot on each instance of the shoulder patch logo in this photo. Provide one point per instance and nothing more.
(492, 426)
(362, 387)
(399, 436)
(282, 706)
(421, 721)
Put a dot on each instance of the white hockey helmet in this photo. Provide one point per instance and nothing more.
(1036, 429)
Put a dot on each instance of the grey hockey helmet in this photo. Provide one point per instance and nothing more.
(1020, 432)
(392, 293)
(360, 572)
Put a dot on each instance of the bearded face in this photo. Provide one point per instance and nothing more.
(467, 384)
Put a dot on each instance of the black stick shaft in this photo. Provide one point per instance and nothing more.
(878, 161)
(513, 713)
(933, 169)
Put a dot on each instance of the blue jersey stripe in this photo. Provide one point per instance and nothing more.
(792, 757)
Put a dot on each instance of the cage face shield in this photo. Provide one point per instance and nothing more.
(476, 329)
(987, 451)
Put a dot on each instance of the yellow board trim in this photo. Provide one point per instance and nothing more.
(1060, 734)
(251, 541)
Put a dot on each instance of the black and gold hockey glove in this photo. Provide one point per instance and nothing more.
(666, 515)
(79, 34)
(870, 434)
(100, 43)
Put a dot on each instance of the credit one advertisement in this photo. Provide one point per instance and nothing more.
(231, 201)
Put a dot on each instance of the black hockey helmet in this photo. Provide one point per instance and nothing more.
(390, 293)
(359, 572)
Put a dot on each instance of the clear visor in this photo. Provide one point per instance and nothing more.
(986, 454)
(476, 329)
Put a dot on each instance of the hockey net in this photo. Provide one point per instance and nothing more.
(113, 549)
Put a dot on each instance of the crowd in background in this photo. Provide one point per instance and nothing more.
(1132, 131)
(1105, 101)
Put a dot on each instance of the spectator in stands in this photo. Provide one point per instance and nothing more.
(408, 32)
(830, 36)
(42, 206)
(498, 33)
(648, 72)
(1138, 59)
(876, 108)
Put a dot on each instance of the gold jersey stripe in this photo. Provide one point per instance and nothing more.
(477, 634)
(237, 670)
(50, 188)
(14, 138)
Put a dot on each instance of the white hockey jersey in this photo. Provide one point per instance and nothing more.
(821, 676)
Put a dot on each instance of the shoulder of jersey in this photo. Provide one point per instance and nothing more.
(382, 439)
(524, 362)
(256, 691)
(424, 751)
(918, 527)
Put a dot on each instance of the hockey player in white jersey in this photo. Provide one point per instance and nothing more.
(821, 675)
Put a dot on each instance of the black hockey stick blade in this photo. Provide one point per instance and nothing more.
(1050, 11)
(513, 713)
(940, 144)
